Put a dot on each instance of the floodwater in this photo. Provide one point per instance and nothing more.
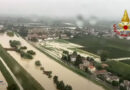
(69, 77)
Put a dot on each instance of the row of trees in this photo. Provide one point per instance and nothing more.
(20, 49)
(67, 57)
(60, 84)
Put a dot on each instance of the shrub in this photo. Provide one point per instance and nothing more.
(38, 63)
(115, 83)
(11, 34)
(60, 84)
(14, 43)
(31, 52)
(23, 47)
(68, 87)
(26, 55)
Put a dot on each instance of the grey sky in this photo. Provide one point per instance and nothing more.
(100, 8)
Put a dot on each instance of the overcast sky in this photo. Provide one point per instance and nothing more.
(100, 8)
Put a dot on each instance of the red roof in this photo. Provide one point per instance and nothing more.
(91, 66)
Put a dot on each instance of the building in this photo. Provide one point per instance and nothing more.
(91, 68)
(100, 72)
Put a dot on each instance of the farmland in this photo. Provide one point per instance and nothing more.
(119, 68)
(115, 48)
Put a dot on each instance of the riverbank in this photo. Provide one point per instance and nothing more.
(76, 81)
(26, 80)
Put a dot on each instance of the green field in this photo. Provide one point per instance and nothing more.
(26, 80)
(119, 68)
(115, 48)
(7, 75)
(126, 61)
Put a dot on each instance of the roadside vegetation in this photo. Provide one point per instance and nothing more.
(26, 80)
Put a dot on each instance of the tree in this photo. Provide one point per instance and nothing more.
(23, 31)
(74, 53)
(14, 43)
(34, 39)
(61, 85)
(68, 87)
(24, 47)
(115, 83)
(31, 52)
(55, 79)
(78, 60)
(38, 63)
(65, 55)
(122, 88)
(103, 57)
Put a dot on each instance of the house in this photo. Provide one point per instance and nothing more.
(73, 58)
(64, 36)
(104, 65)
(91, 68)
(127, 84)
(101, 72)
(84, 64)
(31, 36)
(110, 77)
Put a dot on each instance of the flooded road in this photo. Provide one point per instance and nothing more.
(69, 77)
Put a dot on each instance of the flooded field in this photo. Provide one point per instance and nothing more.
(69, 77)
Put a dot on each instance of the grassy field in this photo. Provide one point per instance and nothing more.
(26, 80)
(126, 61)
(115, 48)
(7, 75)
(119, 68)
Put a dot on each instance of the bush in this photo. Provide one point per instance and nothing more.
(55, 79)
(122, 88)
(68, 87)
(14, 43)
(23, 47)
(31, 52)
(60, 84)
(115, 83)
(38, 63)
(11, 34)
(26, 55)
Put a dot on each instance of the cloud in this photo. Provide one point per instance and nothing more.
(87, 8)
